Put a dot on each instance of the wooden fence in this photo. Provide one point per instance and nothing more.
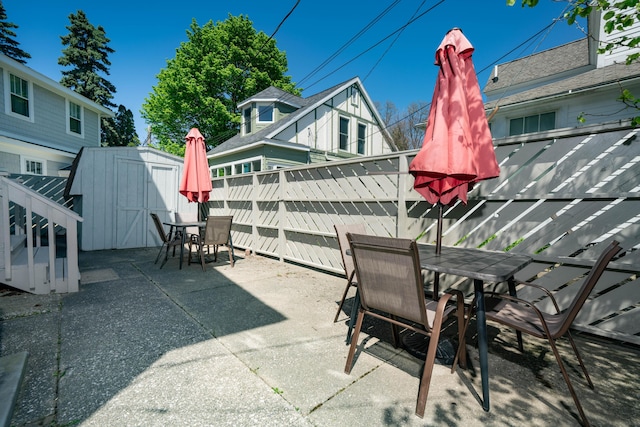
(559, 198)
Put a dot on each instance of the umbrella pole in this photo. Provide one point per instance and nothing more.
(436, 278)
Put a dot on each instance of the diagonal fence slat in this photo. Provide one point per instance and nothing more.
(560, 198)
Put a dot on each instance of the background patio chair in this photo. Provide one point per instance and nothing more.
(188, 217)
(347, 261)
(216, 232)
(168, 241)
(524, 316)
(391, 288)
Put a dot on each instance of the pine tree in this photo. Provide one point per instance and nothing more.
(87, 53)
(8, 45)
(120, 131)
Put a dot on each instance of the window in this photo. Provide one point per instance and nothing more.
(534, 123)
(265, 113)
(33, 166)
(344, 133)
(19, 95)
(75, 118)
(362, 135)
(247, 121)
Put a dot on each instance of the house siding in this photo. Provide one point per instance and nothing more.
(49, 123)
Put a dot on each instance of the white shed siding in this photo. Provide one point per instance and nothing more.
(119, 188)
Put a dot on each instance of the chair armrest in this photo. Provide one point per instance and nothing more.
(526, 304)
(543, 289)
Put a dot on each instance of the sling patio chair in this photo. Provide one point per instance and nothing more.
(524, 316)
(347, 260)
(168, 240)
(391, 289)
(217, 232)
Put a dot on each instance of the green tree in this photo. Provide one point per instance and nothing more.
(120, 131)
(218, 66)
(8, 45)
(87, 53)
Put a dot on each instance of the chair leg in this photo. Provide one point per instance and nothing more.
(462, 346)
(425, 381)
(565, 375)
(159, 253)
(354, 343)
(201, 249)
(344, 296)
(582, 365)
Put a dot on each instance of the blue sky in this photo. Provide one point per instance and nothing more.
(145, 35)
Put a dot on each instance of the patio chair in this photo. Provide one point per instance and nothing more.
(188, 217)
(524, 316)
(168, 241)
(217, 232)
(391, 288)
(347, 261)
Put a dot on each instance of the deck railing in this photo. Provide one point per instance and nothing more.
(31, 212)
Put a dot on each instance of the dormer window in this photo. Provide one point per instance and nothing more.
(246, 114)
(265, 113)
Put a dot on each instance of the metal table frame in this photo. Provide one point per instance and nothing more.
(479, 265)
(182, 226)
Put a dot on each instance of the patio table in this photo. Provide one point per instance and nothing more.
(479, 265)
(181, 226)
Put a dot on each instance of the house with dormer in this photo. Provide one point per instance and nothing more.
(43, 124)
(569, 86)
(280, 130)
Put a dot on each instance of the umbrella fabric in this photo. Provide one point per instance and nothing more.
(457, 150)
(195, 184)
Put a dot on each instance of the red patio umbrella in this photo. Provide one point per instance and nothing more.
(195, 184)
(457, 150)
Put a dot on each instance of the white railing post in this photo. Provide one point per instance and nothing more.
(282, 214)
(5, 226)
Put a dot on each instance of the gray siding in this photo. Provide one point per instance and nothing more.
(49, 122)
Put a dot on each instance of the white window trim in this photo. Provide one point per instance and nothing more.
(366, 134)
(233, 165)
(23, 166)
(347, 150)
(273, 112)
(68, 115)
(7, 98)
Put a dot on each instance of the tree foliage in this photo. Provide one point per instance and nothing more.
(120, 131)
(87, 53)
(8, 45)
(218, 66)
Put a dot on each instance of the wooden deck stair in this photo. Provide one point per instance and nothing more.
(26, 261)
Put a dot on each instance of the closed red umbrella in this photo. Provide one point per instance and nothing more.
(457, 150)
(195, 184)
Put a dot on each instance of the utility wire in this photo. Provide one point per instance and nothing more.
(350, 41)
(391, 45)
(411, 21)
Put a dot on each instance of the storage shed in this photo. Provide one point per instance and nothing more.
(115, 190)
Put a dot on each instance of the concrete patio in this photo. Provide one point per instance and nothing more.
(255, 345)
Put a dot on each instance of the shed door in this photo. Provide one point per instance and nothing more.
(142, 188)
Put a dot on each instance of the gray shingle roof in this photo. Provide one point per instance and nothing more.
(549, 64)
(589, 79)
